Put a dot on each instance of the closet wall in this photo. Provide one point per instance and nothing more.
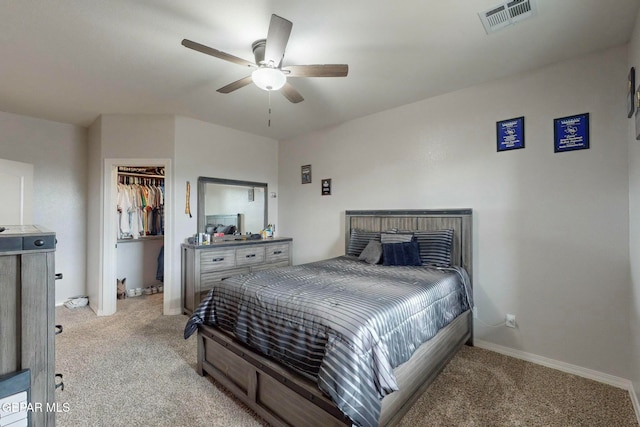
(140, 226)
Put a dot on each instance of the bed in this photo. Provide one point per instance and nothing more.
(368, 374)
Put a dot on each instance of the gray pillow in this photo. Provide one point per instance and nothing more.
(359, 239)
(372, 252)
(392, 237)
(435, 246)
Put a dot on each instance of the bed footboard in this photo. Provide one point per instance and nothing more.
(285, 398)
(280, 396)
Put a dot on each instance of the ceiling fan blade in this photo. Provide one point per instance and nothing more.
(323, 70)
(217, 53)
(291, 93)
(277, 38)
(236, 85)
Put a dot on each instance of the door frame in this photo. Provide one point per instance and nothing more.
(107, 293)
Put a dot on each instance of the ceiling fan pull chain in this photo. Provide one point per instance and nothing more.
(269, 92)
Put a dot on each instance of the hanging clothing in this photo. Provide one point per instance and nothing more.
(140, 205)
(160, 270)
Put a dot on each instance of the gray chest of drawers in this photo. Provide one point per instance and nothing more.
(27, 316)
(202, 266)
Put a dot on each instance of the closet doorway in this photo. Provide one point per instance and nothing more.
(140, 231)
(136, 241)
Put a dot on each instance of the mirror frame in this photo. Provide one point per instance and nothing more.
(202, 184)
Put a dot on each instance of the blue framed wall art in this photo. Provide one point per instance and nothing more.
(510, 134)
(571, 133)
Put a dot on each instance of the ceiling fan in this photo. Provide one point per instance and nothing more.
(269, 74)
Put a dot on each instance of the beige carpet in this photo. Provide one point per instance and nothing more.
(135, 369)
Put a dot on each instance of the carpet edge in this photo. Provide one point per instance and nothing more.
(569, 368)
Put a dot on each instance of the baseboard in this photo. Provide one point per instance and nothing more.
(612, 380)
(556, 364)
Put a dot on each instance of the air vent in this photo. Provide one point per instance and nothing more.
(506, 14)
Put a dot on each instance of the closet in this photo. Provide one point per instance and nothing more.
(140, 229)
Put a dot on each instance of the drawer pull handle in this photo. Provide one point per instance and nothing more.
(277, 252)
(60, 384)
(217, 259)
(58, 276)
(39, 242)
(58, 329)
(251, 256)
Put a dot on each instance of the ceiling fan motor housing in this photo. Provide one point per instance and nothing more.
(258, 50)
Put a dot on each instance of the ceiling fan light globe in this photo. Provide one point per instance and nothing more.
(269, 78)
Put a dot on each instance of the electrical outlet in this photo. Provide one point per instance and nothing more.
(475, 312)
(510, 320)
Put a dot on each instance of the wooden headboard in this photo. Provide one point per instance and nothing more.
(460, 220)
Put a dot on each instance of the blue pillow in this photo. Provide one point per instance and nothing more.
(405, 253)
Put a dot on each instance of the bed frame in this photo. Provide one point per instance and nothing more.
(285, 398)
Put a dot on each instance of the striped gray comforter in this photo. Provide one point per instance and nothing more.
(343, 322)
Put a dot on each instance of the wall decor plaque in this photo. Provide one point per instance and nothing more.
(631, 92)
(571, 133)
(305, 171)
(510, 134)
(326, 187)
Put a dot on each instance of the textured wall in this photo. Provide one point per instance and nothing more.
(550, 230)
(58, 152)
(634, 224)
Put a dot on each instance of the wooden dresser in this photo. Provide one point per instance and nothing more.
(27, 313)
(204, 265)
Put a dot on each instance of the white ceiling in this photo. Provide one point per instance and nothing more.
(70, 61)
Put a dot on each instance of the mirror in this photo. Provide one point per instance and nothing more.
(226, 202)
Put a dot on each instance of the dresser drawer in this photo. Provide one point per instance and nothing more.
(277, 253)
(205, 266)
(249, 256)
(217, 260)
